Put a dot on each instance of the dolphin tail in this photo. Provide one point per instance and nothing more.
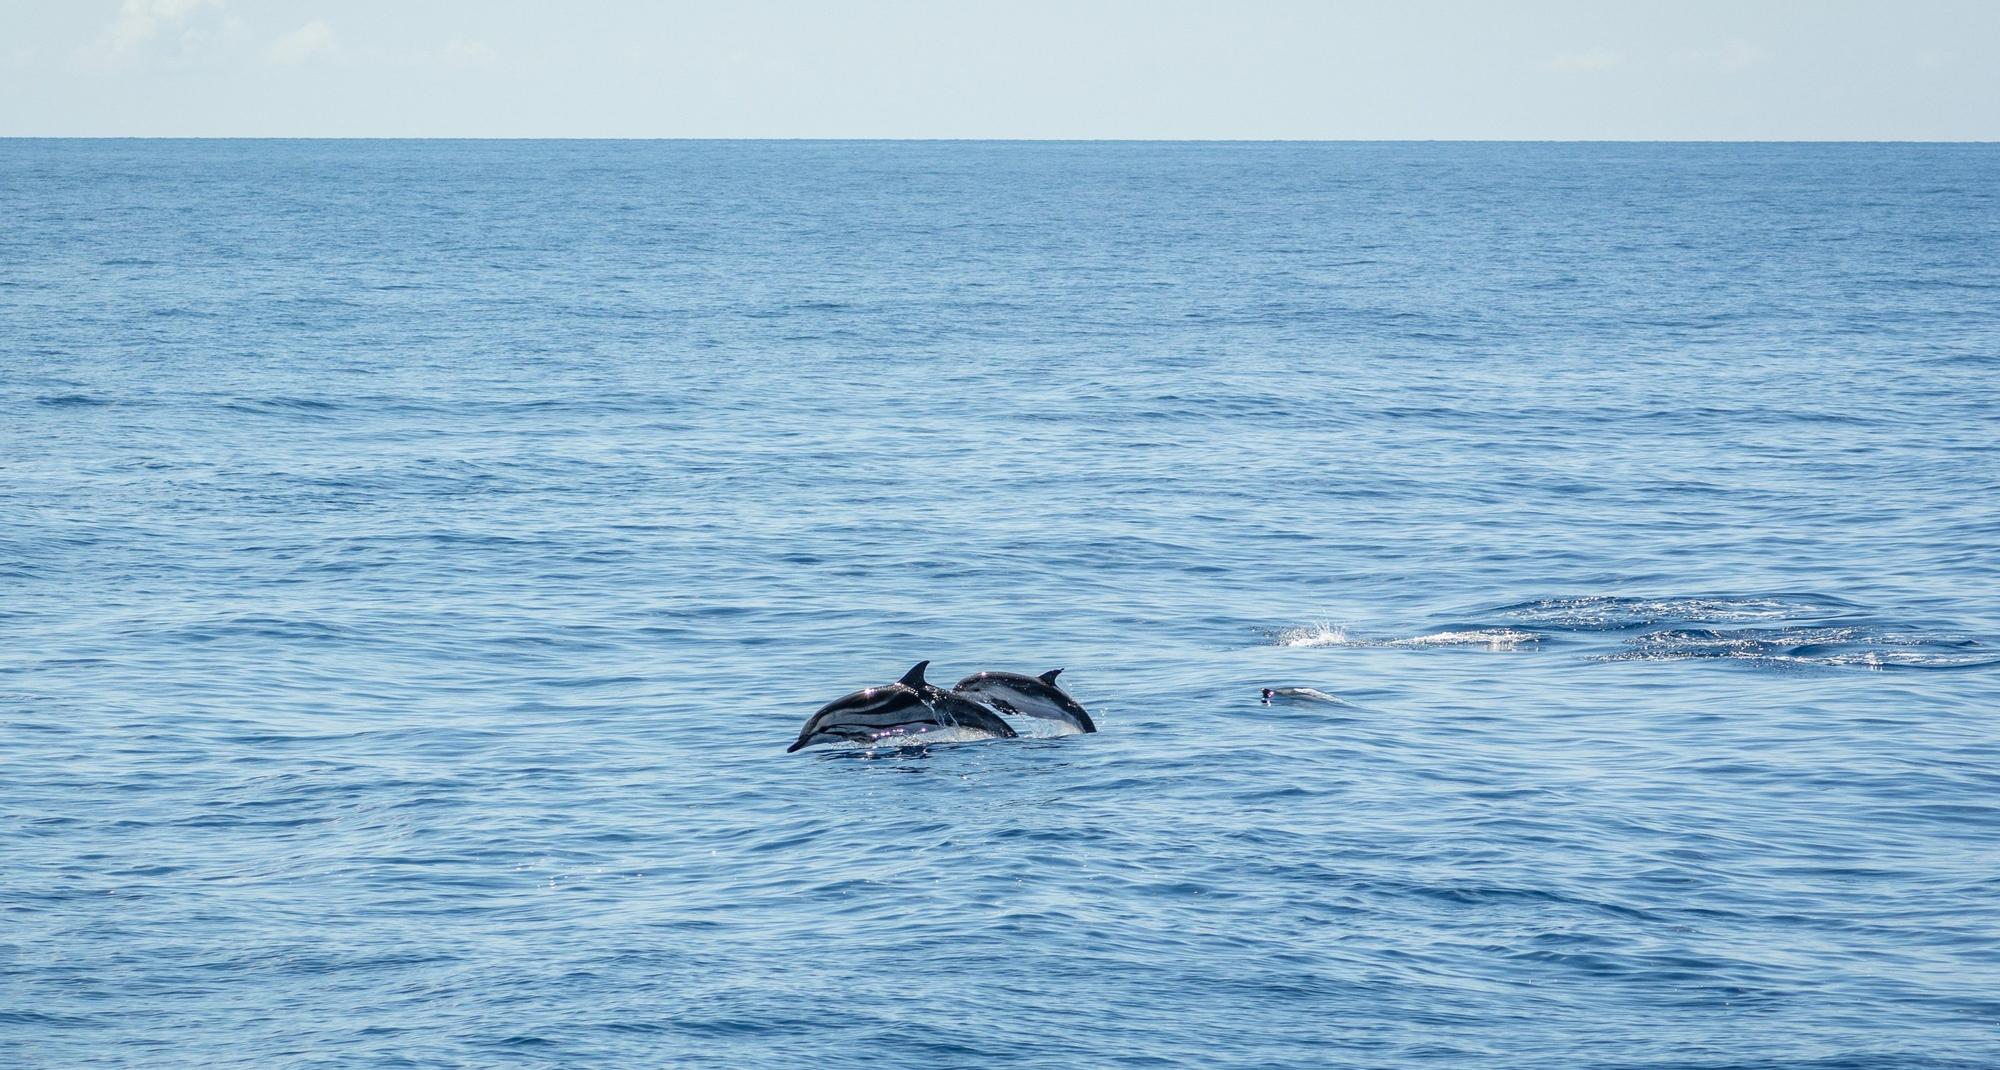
(915, 677)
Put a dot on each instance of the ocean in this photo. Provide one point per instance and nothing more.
(416, 556)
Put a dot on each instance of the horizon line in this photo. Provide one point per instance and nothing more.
(1029, 140)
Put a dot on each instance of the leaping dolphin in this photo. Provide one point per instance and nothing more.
(1030, 696)
(909, 707)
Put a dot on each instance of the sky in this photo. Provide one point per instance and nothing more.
(1419, 69)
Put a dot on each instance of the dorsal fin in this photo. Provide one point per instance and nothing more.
(915, 677)
(1049, 677)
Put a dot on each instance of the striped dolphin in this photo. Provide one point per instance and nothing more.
(1029, 696)
(906, 709)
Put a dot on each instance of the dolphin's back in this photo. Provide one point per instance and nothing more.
(876, 713)
(869, 702)
(856, 716)
(1030, 696)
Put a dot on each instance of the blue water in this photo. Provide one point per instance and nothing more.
(415, 558)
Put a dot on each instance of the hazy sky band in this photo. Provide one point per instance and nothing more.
(1840, 71)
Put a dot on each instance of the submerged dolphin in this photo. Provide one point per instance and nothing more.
(1030, 696)
(1299, 694)
(908, 707)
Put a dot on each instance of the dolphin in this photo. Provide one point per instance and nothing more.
(909, 707)
(1030, 696)
(1299, 694)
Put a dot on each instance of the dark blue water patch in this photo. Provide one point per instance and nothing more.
(1804, 647)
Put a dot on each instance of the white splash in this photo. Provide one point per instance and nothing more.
(1317, 634)
(1325, 634)
(1490, 638)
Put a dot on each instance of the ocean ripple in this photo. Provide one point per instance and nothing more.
(415, 558)
(1808, 646)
